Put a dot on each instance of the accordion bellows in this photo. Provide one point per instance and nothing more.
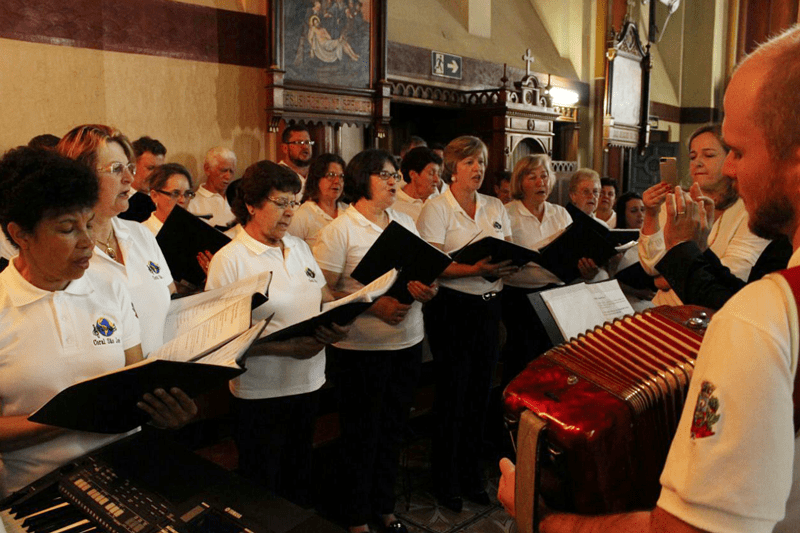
(611, 400)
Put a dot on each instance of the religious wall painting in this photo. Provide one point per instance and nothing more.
(327, 42)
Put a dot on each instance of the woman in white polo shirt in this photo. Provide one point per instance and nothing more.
(275, 401)
(124, 249)
(533, 219)
(380, 360)
(170, 185)
(321, 205)
(50, 310)
(463, 321)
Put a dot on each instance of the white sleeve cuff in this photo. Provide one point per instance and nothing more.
(651, 250)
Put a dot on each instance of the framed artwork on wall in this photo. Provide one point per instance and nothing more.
(328, 42)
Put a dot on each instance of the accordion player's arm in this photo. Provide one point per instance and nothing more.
(655, 521)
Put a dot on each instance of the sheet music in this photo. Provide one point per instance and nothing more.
(581, 307)
(610, 299)
(186, 313)
(233, 353)
(232, 320)
(367, 293)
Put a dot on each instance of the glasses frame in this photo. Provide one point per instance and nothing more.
(385, 175)
(110, 168)
(283, 203)
(302, 143)
(175, 195)
(334, 175)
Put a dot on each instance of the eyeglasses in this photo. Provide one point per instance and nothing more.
(590, 193)
(334, 176)
(116, 168)
(302, 143)
(283, 203)
(386, 175)
(177, 194)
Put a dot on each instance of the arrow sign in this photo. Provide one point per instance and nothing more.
(446, 65)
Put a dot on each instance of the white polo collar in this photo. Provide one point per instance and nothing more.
(403, 195)
(205, 193)
(22, 292)
(524, 211)
(258, 248)
(356, 215)
(480, 203)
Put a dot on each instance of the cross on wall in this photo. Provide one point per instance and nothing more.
(528, 58)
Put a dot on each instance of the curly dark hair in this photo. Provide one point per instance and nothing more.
(258, 182)
(38, 184)
(359, 170)
(316, 171)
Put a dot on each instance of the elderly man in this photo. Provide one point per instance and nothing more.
(296, 147)
(150, 153)
(219, 167)
(739, 471)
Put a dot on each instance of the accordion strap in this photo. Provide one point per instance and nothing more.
(792, 277)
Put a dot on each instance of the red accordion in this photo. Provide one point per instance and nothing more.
(597, 414)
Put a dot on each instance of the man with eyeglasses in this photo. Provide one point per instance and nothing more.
(150, 153)
(297, 148)
(210, 202)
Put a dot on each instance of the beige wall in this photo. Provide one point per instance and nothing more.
(190, 106)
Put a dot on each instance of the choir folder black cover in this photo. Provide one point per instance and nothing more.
(414, 258)
(182, 237)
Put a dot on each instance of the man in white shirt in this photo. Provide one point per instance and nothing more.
(296, 147)
(220, 167)
(422, 170)
(733, 465)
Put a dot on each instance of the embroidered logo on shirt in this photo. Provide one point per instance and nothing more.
(497, 226)
(705, 412)
(154, 269)
(103, 328)
(310, 273)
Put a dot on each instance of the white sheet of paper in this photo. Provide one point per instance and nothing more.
(231, 353)
(367, 293)
(581, 307)
(185, 313)
(231, 321)
(610, 299)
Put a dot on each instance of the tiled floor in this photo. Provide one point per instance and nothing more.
(417, 507)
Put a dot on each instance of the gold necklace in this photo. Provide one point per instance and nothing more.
(109, 250)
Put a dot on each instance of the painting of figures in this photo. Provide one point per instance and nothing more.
(327, 42)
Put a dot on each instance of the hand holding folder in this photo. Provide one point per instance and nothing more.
(400, 249)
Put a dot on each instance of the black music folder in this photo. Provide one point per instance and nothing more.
(618, 237)
(413, 257)
(578, 240)
(107, 403)
(182, 237)
(499, 249)
(341, 316)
